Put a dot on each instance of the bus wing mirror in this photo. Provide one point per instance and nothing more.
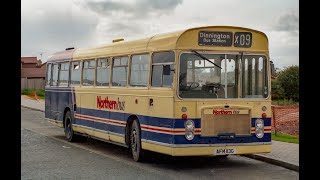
(273, 71)
(166, 70)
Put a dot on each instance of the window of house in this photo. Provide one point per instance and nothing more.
(88, 72)
(64, 74)
(75, 73)
(103, 72)
(162, 69)
(139, 70)
(120, 71)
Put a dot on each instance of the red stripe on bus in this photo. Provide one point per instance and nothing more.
(100, 120)
(162, 130)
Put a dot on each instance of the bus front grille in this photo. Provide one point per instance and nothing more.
(213, 125)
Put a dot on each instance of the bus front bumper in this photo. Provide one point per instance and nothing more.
(210, 150)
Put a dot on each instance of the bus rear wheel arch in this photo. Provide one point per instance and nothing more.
(68, 129)
(135, 145)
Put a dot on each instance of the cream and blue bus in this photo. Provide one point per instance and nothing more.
(203, 91)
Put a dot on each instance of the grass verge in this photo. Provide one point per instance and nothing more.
(285, 138)
(30, 92)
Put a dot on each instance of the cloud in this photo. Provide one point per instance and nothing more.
(288, 21)
(138, 9)
(51, 28)
(284, 39)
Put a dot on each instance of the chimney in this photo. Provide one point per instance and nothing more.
(39, 62)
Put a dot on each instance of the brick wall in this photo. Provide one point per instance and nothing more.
(285, 119)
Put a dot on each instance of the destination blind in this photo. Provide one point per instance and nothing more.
(225, 39)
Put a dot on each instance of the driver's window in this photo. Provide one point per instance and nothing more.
(200, 71)
(199, 78)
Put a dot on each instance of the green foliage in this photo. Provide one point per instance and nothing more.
(26, 91)
(289, 81)
(40, 92)
(285, 138)
(277, 92)
(285, 102)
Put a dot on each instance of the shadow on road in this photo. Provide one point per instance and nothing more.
(164, 161)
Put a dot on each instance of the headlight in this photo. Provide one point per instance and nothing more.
(259, 133)
(259, 124)
(259, 128)
(189, 125)
(189, 135)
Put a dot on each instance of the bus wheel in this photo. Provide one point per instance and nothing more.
(135, 141)
(71, 137)
(222, 156)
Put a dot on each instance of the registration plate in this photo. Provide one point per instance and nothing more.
(224, 151)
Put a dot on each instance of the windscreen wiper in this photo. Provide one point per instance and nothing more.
(204, 58)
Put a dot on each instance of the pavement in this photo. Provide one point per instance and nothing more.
(282, 154)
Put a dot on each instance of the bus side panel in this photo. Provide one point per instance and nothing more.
(157, 129)
(47, 112)
(56, 101)
(63, 102)
(160, 117)
(86, 101)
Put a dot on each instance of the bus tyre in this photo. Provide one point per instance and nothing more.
(70, 136)
(222, 156)
(135, 141)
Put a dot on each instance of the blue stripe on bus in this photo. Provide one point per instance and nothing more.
(267, 121)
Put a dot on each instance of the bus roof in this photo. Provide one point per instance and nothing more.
(159, 42)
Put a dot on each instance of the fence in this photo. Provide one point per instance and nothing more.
(32, 83)
(285, 119)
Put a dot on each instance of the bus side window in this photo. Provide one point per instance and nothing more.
(49, 74)
(88, 72)
(103, 72)
(55, 75)
(139, 70)
(120, 71)
(161, 62)
(64, 74)
(75, 73)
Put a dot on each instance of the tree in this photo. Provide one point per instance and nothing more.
(277, 92)
(289, 81)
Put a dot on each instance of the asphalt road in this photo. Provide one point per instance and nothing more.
(45, 154)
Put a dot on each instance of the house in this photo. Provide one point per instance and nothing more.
(29, 62)
(33, 73)
(32, 68)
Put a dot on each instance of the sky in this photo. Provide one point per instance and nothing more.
(49, 26)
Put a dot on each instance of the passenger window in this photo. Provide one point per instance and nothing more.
(75, 73)
(120, 71)
(64, 74)
(159, 60)
(55, 75)
(88, 72)
(49, 69)
(103, 72)
(139, 70)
